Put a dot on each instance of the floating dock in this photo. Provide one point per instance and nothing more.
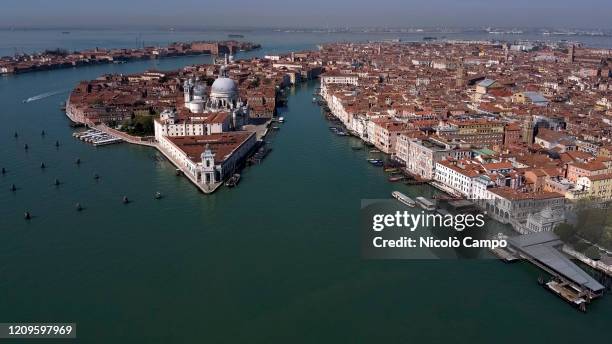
(568, 293)
(97, 137)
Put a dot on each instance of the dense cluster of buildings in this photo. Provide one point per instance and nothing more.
(510, 128)
(55, 59)
(205, 117)
(518, 129)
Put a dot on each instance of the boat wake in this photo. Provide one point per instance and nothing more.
(44, 95)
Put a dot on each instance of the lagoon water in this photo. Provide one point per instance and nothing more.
(275, 259)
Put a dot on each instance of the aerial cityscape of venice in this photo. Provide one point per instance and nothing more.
(396, 172)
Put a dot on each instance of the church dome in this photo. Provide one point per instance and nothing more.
(224, 86)
(199, 90)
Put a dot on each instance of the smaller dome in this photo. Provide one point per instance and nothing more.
(199, 90)
(224, 86)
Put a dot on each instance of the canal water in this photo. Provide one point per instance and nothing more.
(275, 259)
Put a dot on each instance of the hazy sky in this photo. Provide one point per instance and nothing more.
(307, 13)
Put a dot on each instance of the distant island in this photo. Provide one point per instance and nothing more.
(59, 58)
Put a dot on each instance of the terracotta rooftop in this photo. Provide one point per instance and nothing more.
(222, 144)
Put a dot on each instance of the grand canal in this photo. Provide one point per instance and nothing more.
(276, 258)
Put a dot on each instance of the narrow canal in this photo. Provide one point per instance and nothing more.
(276, 258)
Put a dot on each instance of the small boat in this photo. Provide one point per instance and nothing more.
(391, 169)
(403, 199)
(442, 197)
(3, 170)
(396, 178)
(281, 119)
(27, 215)
(275, 127)
(233, 180)
(356, 148)
(376, 162)
(443, 212)
(158, 195)
(374, 151)
(425, 203)
(78, 207)
(126, 200)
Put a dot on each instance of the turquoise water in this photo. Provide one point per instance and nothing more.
(276, 259)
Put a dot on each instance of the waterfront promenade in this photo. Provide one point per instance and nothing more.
(261, 131)
(136, 140)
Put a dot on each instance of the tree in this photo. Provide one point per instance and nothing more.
(606, 238)
(591, 223)
(593, 253)
(565, 231)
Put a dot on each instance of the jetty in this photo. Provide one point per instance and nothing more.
(97, 137)
(570, 282)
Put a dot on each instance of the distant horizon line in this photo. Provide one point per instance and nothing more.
(411, 29)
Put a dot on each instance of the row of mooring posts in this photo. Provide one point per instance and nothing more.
(78, 207)
(42, 133)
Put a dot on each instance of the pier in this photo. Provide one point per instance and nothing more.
(505, 255)
(97, 137)
(570, 282)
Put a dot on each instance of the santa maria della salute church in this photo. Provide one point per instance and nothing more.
(205, 137)
(223, 97)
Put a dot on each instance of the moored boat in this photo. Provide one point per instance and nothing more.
(443, 212)
(403, 199)
(425, 203)
(233, 180)
(376, 162)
